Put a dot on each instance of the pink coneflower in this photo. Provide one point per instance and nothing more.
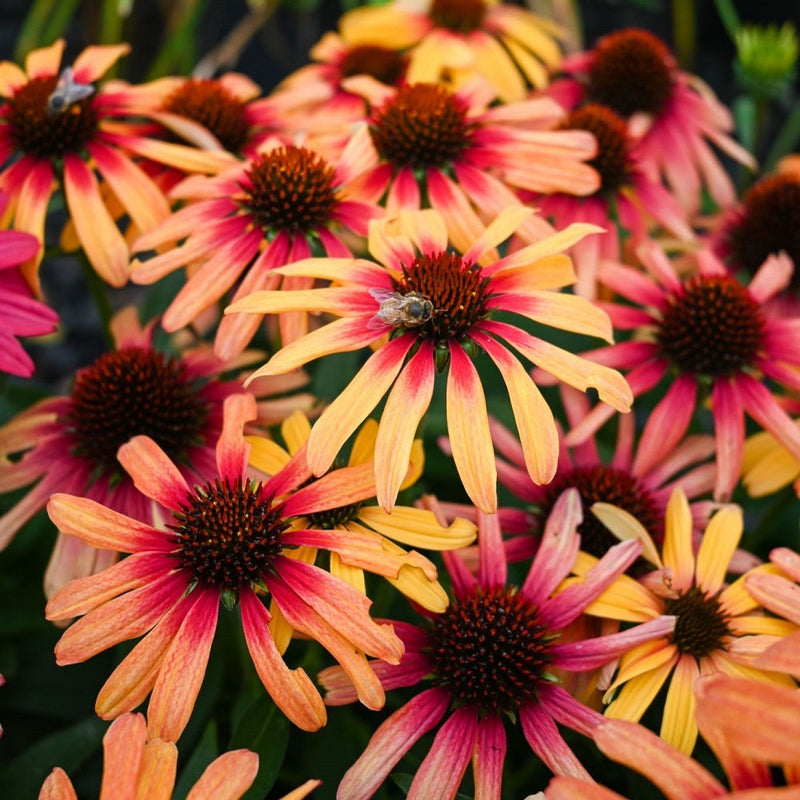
(464, 157)
(70, 443)
(489, 658)
(673, 115)
(710, 336)
(452, 40)
(237, 227)
(627, 203)
(460, 290)
(45, 146)
(20, 313)
(766, 222)
(229, 541)
(616, 479)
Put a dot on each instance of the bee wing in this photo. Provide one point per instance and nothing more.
(381, 295)
(377, 322)
(65, 78)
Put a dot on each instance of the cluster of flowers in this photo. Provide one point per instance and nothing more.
(439, 190)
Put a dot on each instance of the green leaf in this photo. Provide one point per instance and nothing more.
(265, 730)
(67, 749)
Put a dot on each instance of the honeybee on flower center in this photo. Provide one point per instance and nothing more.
(400, 310)
(67, 92)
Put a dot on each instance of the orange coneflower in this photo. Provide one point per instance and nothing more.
(437, 302)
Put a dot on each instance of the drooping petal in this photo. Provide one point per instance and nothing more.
(340, 419)
(227, 777)
(675, 774)
(488, 757)
(98, 233)
(406, 404)
(468, 427)
(183, 669)
(545, 740)
(292, 690)
(442, 770)
(391, 741)
(123, 751)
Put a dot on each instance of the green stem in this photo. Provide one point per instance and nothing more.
(99, 294)
(684, 31)
(729, 16)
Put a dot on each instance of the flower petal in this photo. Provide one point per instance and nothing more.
(153, 473)
(227, 777)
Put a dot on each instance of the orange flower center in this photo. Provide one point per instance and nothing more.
(769, 223)
(603, 484)
(456, 290)
(632, 71)
(489, 650)
(612, 160)
(130, 392)
(228, 535)
(289, 188)
(44, 133)
(714, 328)
(422, 126)
(461, 16)
(701, 627)
(214, 107)
(381, 63)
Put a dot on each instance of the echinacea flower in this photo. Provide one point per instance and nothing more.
(134, 767)
(415, 527)
(277, 207)
(749, 727)
(230, 541)
(462, 290)
(488, 659)
(627, 203)
(719, 628)
(317, 92)
(456, 39)
(69, 443)
(616, 479)
(711, 337)
(780, 594)
(44, 147)
(766, 222)
(673, 115)
(457, 153)
(20, 313)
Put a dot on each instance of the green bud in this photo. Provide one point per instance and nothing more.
(766, 59)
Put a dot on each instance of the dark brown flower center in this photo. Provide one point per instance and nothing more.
(603, 484)
(422, 126)
(632, 71)
(701, 626)
(714, 328)
(381, 63)
(131, 392)
(490, 651)
(770, 222)
(334, 517)
(461, 16)
(44, 133)
(612, 161)
(289, 188)
(214, 107)
(457, 291)
(228, 535)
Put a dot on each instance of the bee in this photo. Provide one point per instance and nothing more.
(67, 92)
(400, 310)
